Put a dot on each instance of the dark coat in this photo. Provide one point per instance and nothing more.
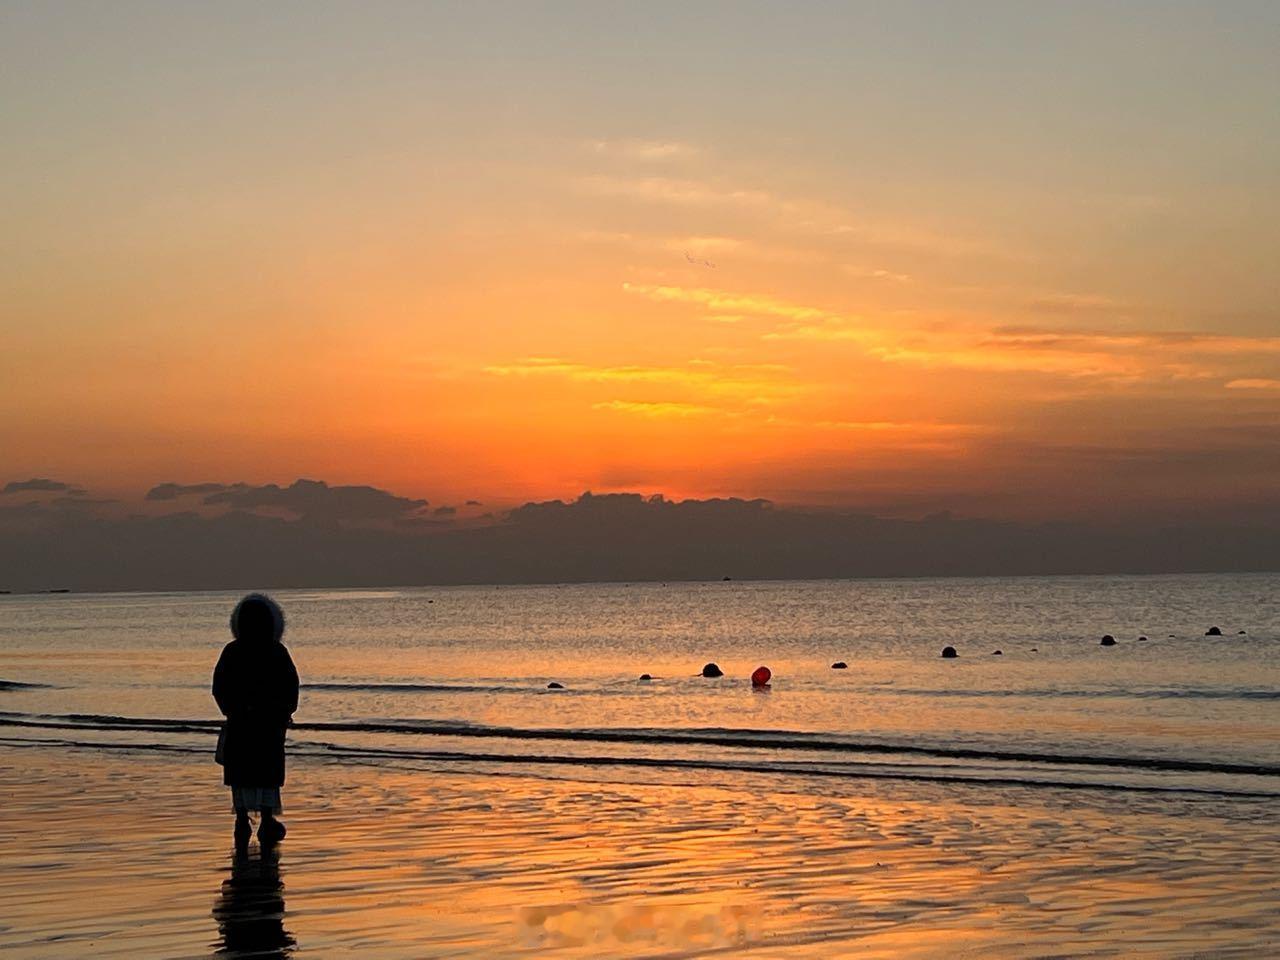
(256, 686)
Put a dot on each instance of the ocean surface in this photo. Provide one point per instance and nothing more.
(458, 677)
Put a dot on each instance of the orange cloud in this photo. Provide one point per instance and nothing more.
(656, 408)
(674, 191)
(722, 302)
(645, 150)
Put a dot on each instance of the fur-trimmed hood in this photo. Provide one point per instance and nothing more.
(277, 615)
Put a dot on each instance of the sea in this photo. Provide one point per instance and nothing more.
(605, 679)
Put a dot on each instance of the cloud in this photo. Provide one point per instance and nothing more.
(1120, 356)
(1076, 303)
(1169, 355)
(656, 408)
(674, 191)
(1163, 340)
(830, 329)
(723, 302)
(645, 150)
(628, 537)
(756, 383)
(900, 235)
(474, 503)
(693, 371)
(998, 354)
(923, 428)
(316, 500)
(1254, 383)
(171, 491)
(704, 246)
(41, 485)
(877, 274)
(660, 247)
(445, 511)
(715, 192)
(83, 503)
(1125, 357)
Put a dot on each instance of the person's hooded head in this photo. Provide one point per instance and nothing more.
(257, 620)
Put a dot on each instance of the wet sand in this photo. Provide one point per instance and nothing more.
(128, 854)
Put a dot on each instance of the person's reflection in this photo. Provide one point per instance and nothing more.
(250, 909)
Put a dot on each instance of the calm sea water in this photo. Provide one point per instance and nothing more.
(435, 676)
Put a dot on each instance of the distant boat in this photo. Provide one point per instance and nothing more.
(59, 590)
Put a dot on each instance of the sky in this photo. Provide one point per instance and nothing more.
(1004, 259)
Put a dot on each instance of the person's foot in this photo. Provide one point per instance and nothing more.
(270, 832)
(242, 833)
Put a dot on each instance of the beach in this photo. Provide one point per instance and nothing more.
(122, 854)
(1062, 799)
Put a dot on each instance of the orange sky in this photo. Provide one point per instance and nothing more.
(872, 260)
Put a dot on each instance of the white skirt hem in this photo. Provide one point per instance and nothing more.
(244, 799)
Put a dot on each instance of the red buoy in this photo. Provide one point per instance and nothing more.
(761, 677)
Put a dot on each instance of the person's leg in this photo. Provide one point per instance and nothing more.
(243, 829)
(270, 830)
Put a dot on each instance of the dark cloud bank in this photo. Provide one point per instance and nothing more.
(311, 534)
(308, 499)
(41, 485)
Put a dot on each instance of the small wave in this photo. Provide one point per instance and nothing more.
(852, 771)
(533, 689)
(416, 688)
(1164, 693)
(844, 770)
(1169, 693)
(21, 685)
(731, 738)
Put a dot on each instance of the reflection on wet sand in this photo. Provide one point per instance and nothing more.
(250, 909)
(500, 865)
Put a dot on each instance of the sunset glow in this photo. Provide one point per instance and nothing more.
(504, 258)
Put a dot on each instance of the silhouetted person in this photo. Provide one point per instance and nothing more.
(250, 910)
(256, 686)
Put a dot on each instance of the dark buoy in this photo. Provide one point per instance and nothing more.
(1142, 639)
(555, 686)
(839, 665)
(948, 653)
(1213, 632)
(761, 676)
(997, 653)
(1107, 641)
(1035, 649)
(712, 670)
(726, 579)
(1242, 633)
(645, 676)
